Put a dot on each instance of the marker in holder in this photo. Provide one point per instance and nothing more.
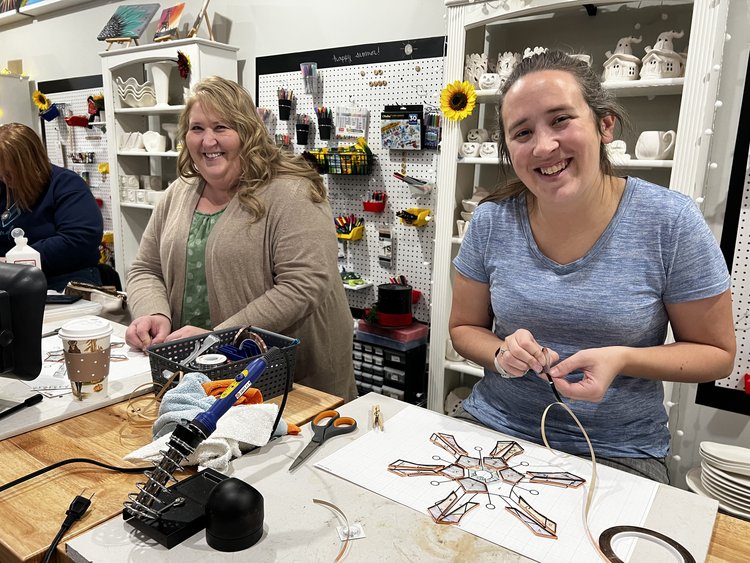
(309, 77)
(325, 122)
(286, 100)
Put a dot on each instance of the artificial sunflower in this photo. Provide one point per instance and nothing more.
(183, 64)
(40, 100)
(457, 100)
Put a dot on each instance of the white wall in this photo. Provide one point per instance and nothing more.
(63, 44)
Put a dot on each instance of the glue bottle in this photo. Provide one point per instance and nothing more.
(22, 253)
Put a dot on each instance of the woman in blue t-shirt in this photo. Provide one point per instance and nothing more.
(576, 270)
(54, 207)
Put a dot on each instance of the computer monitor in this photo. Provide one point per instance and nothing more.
(23, 290)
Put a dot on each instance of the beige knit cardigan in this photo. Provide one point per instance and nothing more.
(279, 273)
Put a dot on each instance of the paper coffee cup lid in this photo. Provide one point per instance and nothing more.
(211, 359)
(85, 328)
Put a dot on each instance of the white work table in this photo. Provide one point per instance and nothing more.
(296, 529)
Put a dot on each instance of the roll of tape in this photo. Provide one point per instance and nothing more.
(210, 359)
(605, 542)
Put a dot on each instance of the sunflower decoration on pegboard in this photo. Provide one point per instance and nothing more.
(47, 109)
(457, 100)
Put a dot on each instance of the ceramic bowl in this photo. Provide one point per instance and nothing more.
(466, 216)
(469, 205)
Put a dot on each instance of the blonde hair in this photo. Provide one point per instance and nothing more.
(24, 165)
(260, 159)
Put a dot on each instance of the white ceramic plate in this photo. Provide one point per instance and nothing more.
(737, 496)
(725, 466)
(740, 480)
(727, 453)
(724, 498)
(693, 479)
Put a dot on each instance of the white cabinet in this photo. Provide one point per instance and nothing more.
(132, 200)
(686, 105)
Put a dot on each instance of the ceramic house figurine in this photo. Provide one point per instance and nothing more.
(662, 61)
(622, 64)
(477, 136)
(506, 62)
(474, 67)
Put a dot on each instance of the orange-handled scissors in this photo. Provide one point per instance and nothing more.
(334, 426)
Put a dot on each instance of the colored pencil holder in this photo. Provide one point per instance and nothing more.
(324, 131)
(285, 109)
(303, 130)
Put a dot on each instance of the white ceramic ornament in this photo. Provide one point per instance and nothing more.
(477, 136)
(489, 81)
(474, 67)
(662, 61)
(470, 149)
(622, 65)
(488, 150)
(495, 137)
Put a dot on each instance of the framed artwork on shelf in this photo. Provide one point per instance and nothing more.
(169, 22)
(199, 19)
(128, 22)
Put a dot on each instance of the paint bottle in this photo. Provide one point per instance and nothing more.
(22, 253)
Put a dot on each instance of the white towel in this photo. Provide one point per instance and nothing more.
(242, 424)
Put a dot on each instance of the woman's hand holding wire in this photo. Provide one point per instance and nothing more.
(523, 353)
(599, 367)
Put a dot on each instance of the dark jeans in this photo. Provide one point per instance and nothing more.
(88, 275)
(654, 468)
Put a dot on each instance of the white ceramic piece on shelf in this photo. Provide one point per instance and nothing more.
(477, 136)
(461, 227)
(171, 129)
(622, 65)
(128, 181)
(469, 205)
(131, 194)
(132, 142)
(489, 81)
(470, 150)
(160, 77)
(663, 61)
(150, 182)
(655, 145)
(488, 150)
(134, 94)
(506, 62)
(529, 52)
(475, 65)
(466, 216)
(582, 57)
(154, 142)
(495, 137)
(140, 196)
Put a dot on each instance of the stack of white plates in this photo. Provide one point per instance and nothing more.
(724, 474)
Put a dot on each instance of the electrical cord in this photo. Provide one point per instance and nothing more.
(69, 461)
(75, 512)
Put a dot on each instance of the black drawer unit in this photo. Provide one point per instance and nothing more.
(400, 374)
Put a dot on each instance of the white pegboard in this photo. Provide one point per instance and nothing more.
(62, 141)
(741, 293)
(373, 86)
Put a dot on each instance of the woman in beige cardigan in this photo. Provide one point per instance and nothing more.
(244, 237)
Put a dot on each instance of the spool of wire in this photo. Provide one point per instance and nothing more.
(210, 360)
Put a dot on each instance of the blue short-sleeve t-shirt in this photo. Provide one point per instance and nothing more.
(657, 249)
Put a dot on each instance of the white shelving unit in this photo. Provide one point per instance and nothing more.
(686, 105)
(207, 58)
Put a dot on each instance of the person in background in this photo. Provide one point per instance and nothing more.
(54, 207)
(576, 271)
(245, 236)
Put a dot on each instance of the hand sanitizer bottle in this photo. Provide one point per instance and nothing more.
(22, 253)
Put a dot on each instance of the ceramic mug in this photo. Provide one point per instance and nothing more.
(655, 145)
(488, 150)
(470, 149)
(461, 227)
